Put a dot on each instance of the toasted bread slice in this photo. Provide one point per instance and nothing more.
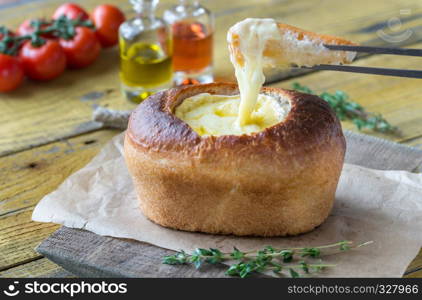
(296, 46)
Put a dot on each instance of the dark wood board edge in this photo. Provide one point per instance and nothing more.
(86, 254)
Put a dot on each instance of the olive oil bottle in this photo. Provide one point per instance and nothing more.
(145, 53)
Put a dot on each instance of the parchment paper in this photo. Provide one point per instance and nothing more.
(371, 205)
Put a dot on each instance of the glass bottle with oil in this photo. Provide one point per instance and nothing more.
(192, 30)
(145, 53)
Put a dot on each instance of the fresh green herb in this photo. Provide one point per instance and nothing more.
(269, 258)
(293, 273)
(312, 252)
(180, 258)
(352, 111)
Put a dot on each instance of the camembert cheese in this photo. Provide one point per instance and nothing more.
(217, 115)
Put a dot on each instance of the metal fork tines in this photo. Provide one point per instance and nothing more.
(369, 70)
(376, 50)
(372, 70)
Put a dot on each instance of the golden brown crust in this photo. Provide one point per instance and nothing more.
(280, 181)
(327, 39)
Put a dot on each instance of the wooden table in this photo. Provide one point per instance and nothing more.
(47, 132)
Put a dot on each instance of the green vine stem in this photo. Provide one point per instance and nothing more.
(62, 27)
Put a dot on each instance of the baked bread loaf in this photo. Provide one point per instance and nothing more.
(276, 182)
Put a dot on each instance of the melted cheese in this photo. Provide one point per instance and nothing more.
(250, 111)
(217, 115)
(247, 40)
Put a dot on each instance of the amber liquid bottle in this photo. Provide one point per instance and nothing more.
(192, 28)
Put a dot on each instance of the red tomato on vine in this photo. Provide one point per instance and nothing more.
(72, 11)
(11, 73)
(107, 19)
(83, 49)
(45, 62)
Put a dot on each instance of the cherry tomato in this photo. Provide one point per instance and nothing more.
(107, 19)
(45, 62)
(70, 10)
(83, 49)
(11, 73)
(26, 28)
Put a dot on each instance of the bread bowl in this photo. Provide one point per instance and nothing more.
(275, 182)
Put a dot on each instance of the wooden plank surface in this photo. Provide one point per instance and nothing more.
(415, 266)
(416, 142)
(50, 114)
(25, 178)
(19, 237)
(42, 267)
(106, 256)
(40, 113)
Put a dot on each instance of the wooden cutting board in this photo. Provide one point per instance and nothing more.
(86, 254)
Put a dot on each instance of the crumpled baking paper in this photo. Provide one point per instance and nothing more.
(371, 205)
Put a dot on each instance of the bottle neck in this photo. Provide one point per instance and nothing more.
(189, 2)
(145, 8)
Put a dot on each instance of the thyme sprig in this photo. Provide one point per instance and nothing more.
(348, 110)
(62, 27)
(296, 261)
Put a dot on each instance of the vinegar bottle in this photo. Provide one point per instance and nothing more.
(145, 53)
(192, 29)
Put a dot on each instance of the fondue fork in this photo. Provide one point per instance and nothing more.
(372, 70)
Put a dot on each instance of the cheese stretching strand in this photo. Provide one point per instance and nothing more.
(253, 45)
(247, 40)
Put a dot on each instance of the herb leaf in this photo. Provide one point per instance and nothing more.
(293, 273)
(179, 258)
